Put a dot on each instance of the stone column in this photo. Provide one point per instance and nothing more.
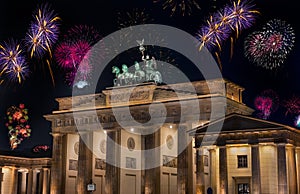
(57, 164)
(185, 155)
(1, 178)
(281, 164)
(14, 189)
(85, 162)
(30, 185)
(151, 176)
(291, 169)
(223, 170)
(44, 181)
(23, 182)
(200, 181)
(256, 182)
(297, 150)
(112, 173)
(212, 169)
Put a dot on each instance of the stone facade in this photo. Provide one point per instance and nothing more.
(149, 138)
(24, 175)
(250, 153)
(127, 121)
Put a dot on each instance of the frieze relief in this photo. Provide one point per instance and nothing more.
(140, 114)
(127, 95)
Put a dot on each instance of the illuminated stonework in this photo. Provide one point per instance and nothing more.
(248, 154)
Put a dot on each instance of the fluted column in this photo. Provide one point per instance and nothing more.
(151, 175)
(256, 181)
(184, 172)
(112, 177)
(23, 182)
(30, 181)
(297, 151)
(44, 176)
(57, 164)
(200, 181)
(223, 170)
(291, 171)
(212, 169)
(85, 167)
(14, 189)
(281, 164)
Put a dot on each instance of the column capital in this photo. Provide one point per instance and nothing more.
(254, 145)
(291, 146)
(56, 134)
(281, 144)
(297, 148)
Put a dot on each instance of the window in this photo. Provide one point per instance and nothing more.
(243, 188)
(242, 161)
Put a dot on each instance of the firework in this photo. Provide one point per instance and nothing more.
(255, 46)
(213, 34)
(63, 55)
(13, 64)
(241, 15)
(270, 47)
(292, 105)
(132, 18)
(220, 25)
(18, 72)
(73, 53)
(266, 103)
(70, 76)
(297, 121)
(279, 42)
(263, 105)
(41, 148)
(17, 124)
(43, 31)
(183, 7)
(85, 33)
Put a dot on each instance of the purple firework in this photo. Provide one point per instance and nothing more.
(213, 34)
(19, 71)
(43, 31)
(242, 15)
(219, 27)
(13, 62)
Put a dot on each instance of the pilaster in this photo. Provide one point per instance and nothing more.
(282, 171)
(255, 181)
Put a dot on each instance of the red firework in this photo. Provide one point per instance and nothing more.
(292, 105)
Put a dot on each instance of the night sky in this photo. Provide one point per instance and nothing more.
(38, 93)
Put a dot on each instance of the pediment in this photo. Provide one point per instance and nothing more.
(237, 122)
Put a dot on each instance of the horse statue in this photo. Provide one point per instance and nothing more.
(151, 73)
(118, 76)
(128, 77)
(139, 74)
